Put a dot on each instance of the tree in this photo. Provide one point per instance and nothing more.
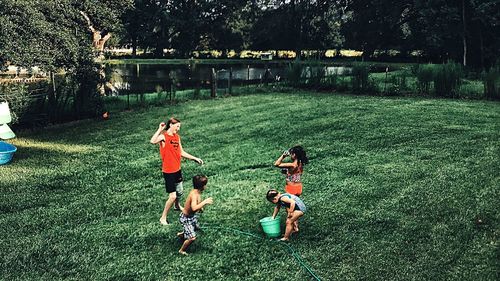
(376, 24)
(224, 24)
(54, 35)
(298, 24)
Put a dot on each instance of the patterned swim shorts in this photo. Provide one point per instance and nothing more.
(190, 225)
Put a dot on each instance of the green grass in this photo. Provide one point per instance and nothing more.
(397, 189)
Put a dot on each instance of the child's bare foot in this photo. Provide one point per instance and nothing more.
(183, 253)
(164, 222)
(180, 235)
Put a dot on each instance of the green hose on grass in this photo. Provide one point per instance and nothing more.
(290, 249)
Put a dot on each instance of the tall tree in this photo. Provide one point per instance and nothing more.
(376, 24)
(224, 23)
(54, 35)
(187, 25)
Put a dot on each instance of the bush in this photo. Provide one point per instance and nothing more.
(360, 81)
(491, 80)
(425, 76)
(447, 79)
(314, 75)
(294, 74)
(18, 97)
(399, 83)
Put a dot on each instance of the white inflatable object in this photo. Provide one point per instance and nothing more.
(5, 117)
(6, 133)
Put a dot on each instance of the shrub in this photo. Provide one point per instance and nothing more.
(447, 79)
(18, 97)
(314, 75)
(360, 81)
(332, 80)
(294, 74)
(491, 80)
(425, 76)
(399, 83)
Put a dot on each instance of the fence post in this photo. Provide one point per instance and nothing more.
(128, 99)
(385, 81)
(230, 79)
(213, 92)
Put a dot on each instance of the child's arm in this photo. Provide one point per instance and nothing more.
(189, 156)
(276, 210)
(195, 206)
(279, 163)
(158, 137)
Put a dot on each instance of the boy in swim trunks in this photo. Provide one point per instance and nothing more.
(188, 216)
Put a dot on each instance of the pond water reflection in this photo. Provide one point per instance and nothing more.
(147, 78)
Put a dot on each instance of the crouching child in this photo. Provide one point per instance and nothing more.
(295, 208)
(188, 216)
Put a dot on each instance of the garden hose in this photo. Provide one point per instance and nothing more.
(290, 249)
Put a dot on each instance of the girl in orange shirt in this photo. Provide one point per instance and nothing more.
(293, 170)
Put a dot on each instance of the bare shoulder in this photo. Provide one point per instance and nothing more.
(192, 194)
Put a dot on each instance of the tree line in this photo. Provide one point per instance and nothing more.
(65, 33)
(465, 31)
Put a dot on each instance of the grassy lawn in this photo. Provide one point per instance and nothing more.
(397, 189)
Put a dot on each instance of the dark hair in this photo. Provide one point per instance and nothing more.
(199, 181)
(171, 121)
(300, 153)
(271, 193)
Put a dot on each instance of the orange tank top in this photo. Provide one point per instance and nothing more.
(170, 153)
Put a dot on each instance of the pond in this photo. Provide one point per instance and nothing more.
(147, 78)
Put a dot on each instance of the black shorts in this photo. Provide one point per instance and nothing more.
(172, 182)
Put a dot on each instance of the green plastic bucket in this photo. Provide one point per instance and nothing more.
(271, 227)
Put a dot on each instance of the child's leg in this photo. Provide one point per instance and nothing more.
(168, 205)
(290, 222)
(185, 245)
(179, 190)
(188, 224)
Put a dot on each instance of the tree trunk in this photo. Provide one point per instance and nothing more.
(134, 47)
(213, 90)
(99, 39)
(481, 47)
(464, 34)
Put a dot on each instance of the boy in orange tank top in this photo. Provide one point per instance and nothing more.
(171, 153)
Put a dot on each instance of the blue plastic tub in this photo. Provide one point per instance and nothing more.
(6, 152)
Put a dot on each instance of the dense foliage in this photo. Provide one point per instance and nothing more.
(57, 36)
(54, 33)
(465, 31)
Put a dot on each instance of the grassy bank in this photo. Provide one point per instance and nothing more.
(397, 189)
